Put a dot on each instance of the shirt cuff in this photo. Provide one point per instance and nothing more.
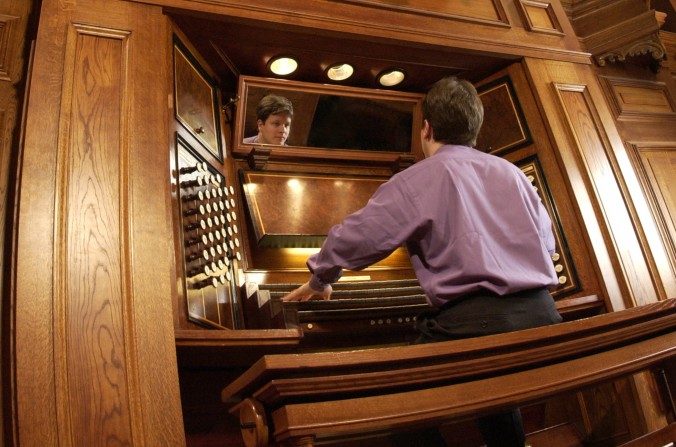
(316, 284)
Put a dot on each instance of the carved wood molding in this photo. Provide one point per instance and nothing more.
(651, 46)
(619, 31)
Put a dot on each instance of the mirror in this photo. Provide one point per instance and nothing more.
(329, 119)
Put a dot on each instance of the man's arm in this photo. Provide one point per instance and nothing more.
(363, 238)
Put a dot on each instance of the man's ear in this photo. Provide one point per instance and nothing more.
(259, 123)
(427, 131)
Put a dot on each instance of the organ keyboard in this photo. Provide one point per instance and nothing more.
(383, 309)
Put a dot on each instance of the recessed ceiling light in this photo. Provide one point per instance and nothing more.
(282, 65)
(339, 72)
(390, 78)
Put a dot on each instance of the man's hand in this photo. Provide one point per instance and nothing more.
(305, 293)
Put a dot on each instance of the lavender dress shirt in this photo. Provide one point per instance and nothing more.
(470, 221)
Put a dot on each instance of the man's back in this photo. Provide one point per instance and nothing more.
(485, 226)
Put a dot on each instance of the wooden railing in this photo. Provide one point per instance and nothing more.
(300, 399)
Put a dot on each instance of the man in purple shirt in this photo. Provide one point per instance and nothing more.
(478, 236)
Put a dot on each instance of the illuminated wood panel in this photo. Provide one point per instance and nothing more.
(298, 210)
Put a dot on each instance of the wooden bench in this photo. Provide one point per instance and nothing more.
(300, 399)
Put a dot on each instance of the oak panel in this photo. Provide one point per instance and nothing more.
(656, 167)
(539, 17)
(594, 147)
(505, 128)
(91, 267)
(7, 45)
(95, 220)
(490, 11)
(637, 98)
(196, 100)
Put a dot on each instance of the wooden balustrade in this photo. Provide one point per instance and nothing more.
(300, 399)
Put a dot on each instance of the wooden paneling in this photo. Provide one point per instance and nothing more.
(9, 44)
(505, 127)
(656, 167)
(604, 182)
(455, 41)
(643, 107)
(539, 16)
(594, 147)
(94, 265)
(668, 39)
(607, 193)
(91, 275)
(489, 11)
(14, 28)
(639, 98)
(196, 103)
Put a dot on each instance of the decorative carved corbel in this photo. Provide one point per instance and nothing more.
(258, 158)
(650, 46)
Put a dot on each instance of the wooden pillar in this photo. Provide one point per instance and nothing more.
(594, 161)
(95, 355)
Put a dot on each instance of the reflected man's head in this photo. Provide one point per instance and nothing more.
(274, 114)
(454, 111)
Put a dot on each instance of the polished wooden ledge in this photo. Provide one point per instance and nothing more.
(334, 395)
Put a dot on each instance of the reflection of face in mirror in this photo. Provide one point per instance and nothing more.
(274, 114)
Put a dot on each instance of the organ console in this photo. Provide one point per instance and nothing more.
(157, 227)
(249, 219)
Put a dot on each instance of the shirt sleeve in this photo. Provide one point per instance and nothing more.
(546, 233)
(540, 214)
(389, 219)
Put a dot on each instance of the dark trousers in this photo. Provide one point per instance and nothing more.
(473, 316)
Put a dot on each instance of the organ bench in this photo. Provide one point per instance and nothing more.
(311, 398)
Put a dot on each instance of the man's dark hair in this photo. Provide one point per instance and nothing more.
(273, 105)
(454, 110)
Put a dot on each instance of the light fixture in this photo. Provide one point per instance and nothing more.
(339, 72)
(391, 77)
(282, 65)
